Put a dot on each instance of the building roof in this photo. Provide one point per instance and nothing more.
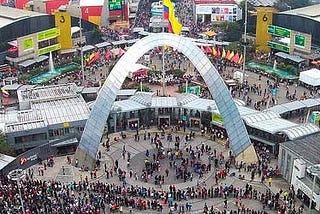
(9, 15)
(307, 147)
(47, 92)
(272, 123)
(215, 2)
(310, 12)
(5, 160)
(262, 3)
(295, 105)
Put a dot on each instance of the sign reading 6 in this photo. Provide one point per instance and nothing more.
(265, 18)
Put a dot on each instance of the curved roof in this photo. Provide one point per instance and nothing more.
(9, 15)
(310, 12)
(300, 130)
(259, 117)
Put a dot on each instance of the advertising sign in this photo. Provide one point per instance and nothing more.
(114, 5)
(279, 31)
(216, 118)
(63, 22)
(279, 47)
(194, 90)
(300, 41)
(48, 34)
(49, 49)
(27, 43)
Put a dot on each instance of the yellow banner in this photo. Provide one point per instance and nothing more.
(63, 22)
(28, 43)
(48, 34)
(264, 18)
(49, 49)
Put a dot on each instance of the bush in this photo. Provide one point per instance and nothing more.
(291, 69)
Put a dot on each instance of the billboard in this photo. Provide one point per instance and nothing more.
(300, 41)
(63, 22)
(264, 19)
(49, 49)
(279, 31)
(48, 34)
(27, 43)
(115, 5)
(216, 118)
(279, 46)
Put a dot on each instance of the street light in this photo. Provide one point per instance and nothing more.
(315, 171)
(245, 39)
(81, 44)
(17, 175)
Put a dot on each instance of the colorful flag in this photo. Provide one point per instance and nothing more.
(223, 53)
(208, 50)
(227, 54)
(214, 52)
(240, 59)
(231, 55)
(108, 54)
(168, 13)
(236, 58)
(120, 52)
(218, 53)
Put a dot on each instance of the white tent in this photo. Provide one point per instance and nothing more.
(310, 77)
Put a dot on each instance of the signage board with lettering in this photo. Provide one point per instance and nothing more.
(279, 47)
(49, 49)
(300, 41)
(114, 5)
(48, 34)
(279, 31)
(28, 43)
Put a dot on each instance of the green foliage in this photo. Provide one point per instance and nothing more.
(177, 72)
(144, 88)
(232, 31)
(291, 69)
(5, 147)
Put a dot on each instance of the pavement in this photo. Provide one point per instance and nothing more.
(137, 149)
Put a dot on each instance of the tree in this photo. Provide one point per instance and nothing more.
(282, 5)
(5, 147)
(232, 31)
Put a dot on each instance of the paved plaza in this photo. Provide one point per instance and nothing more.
(118, 152)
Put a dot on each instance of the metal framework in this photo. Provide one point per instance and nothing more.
(91, 137)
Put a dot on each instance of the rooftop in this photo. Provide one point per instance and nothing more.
(262, 3)
(307, 147)
(310, 12)
(9, 15)
(47, 92)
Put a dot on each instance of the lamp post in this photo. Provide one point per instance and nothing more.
(17, 175)
(245, 40)
(81, 44)
(315, 171)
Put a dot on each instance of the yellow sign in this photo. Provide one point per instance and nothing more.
(27, 43)
(66, 125)
(216, 118)
(48, 34)
(264, 19)
(49, 49)
(63, 22)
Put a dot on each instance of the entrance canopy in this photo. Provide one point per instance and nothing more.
(294, 58)
(310, 77)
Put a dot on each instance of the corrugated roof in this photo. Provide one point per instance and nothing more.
(9, 15)
(310, 12)
(264, 3)
(307, 147)
(301, 130)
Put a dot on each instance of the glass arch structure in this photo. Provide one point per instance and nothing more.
(93, 131)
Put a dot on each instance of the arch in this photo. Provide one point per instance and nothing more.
(92, 134)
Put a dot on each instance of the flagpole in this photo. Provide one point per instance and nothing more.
(186, 86)
(163, 65)
(245, 40)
